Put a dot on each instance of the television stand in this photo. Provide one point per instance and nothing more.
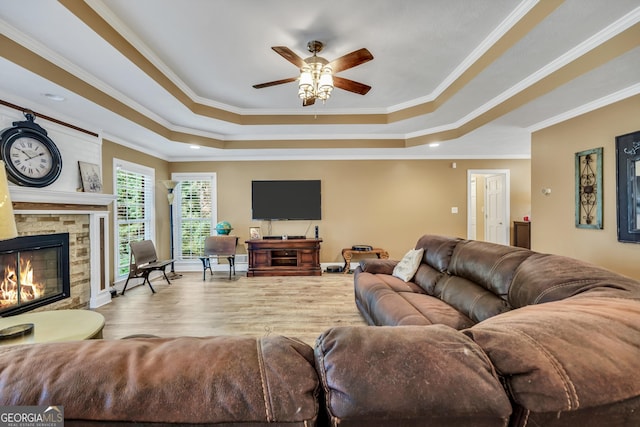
(290, 257)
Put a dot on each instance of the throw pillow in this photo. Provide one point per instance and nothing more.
(408, 265)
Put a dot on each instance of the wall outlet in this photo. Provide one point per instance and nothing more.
(454, 209)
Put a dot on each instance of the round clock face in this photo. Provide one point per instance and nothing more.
(32, 159)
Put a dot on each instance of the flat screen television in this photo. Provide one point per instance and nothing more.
(286, 200)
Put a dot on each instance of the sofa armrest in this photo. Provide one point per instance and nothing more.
(408, 375)
(222, 380)
(378, 266)
(568, 356)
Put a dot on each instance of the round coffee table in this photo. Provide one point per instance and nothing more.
(55, 325)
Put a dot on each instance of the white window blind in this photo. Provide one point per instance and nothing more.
(195, 214)
(134, 210)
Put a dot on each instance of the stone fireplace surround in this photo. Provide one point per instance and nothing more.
(85, 217)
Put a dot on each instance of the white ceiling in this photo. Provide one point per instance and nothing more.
(214, 51)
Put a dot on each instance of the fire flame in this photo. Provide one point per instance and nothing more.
(9, 288)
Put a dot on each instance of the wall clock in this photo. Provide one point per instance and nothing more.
(32, 158)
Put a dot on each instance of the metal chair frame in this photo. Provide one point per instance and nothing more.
(142, 261)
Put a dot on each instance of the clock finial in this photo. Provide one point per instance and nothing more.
(29, 115)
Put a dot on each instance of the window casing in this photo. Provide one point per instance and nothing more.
(134, 215)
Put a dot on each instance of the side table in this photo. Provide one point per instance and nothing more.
(348, 253)
(55, 325)
(522, 234)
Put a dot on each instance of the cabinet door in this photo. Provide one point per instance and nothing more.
(260, 258)
(307, 258)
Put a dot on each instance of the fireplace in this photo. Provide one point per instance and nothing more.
(34, 271)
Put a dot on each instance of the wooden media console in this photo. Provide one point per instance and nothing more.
(287, 257)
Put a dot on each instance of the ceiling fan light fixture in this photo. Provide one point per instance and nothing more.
(305, 83)
(316, 79)
(325, 83)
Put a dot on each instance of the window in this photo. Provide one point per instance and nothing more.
(194, 210)
(134, 217)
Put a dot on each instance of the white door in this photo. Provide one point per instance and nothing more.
(473, 220)
(496, 224)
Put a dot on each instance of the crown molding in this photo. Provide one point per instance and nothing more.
(587, 108)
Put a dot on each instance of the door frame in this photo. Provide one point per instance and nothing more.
(507, 197)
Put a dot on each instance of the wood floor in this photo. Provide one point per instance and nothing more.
(300, 307)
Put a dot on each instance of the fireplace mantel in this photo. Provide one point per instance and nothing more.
(29, 198)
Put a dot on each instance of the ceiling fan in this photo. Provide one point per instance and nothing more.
(317, 75)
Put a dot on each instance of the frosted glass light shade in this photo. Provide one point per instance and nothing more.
(169, 184)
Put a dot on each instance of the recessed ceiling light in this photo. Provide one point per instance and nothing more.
(434, 144)
(54, 97)
(194, 147)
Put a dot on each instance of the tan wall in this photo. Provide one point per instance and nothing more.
(552, 165)
(380, 203)
(111, 150)
(386, 203)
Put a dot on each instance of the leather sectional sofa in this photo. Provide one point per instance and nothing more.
(483, 335)
(556, 341)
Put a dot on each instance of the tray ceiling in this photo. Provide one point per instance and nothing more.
(474, 77)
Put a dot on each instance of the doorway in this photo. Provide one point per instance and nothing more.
(488, 202)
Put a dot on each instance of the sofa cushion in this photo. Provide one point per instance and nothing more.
(371, 282)
(566, 355)
(490, 265)
(427, 277)
(386, 300)
(408, 265)
(471, 299)
(436, 311)
(437, 250)
(565, 277)
(408, 376)
(378, 299)
(184, 380)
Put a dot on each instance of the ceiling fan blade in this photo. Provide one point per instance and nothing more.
(289, 55)
(351, 60)
(276, 82)
(307, 102)
(350, 85)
